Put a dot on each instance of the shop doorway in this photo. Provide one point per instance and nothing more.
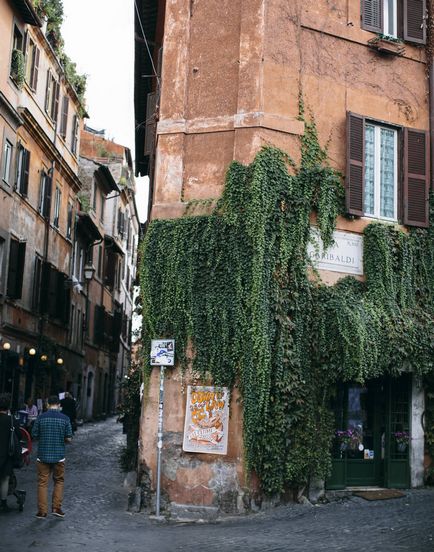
(372, 434)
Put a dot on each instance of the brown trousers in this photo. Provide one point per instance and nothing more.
(44, 471)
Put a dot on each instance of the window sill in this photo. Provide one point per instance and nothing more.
(387, 47)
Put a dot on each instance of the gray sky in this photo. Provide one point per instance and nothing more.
(99, 38)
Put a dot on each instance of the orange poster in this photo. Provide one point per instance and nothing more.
(206, 420)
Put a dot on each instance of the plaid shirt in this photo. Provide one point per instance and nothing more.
(51, 429)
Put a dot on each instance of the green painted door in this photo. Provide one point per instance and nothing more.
(369, 420)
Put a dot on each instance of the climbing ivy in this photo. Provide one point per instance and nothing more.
(237, 291)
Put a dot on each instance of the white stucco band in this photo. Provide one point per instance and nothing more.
(417, 433)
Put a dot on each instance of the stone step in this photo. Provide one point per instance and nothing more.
(189, 513)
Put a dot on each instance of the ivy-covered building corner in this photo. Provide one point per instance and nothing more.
(289, 252)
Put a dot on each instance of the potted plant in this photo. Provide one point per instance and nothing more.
(18, 71)
(349, 439)
(385, 44)
(402, 439)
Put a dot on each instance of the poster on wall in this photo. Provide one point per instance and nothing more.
(206, 420)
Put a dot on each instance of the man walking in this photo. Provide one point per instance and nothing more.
(52, 429)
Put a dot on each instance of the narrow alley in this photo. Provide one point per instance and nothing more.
(96, 517)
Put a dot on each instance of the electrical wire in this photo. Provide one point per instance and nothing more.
(146, 42)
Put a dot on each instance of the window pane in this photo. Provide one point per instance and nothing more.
(369, 170)
(387, 182)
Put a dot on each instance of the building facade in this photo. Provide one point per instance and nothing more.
(225, 80)
(118, 249)
(64, 323)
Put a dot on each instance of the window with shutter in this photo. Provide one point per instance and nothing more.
(17, 254)
(98, 331)
(415, 14)
(35, 74)
(48, 91)
(23, 166)
(55, 101)
(372, 15)
(45, 283)
(405, 19)
(355, 164)
(64, 119)
(47, 197)
(416, 177)
(37, 275)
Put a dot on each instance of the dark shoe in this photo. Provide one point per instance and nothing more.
(58, 512)
(40, 515)
(4, 508)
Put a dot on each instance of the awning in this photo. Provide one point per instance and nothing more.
(87, 225)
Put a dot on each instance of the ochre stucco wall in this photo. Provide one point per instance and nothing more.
(232, 73)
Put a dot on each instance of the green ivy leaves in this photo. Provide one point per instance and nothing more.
(233, 289)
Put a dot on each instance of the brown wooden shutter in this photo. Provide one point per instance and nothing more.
(416, 177)
(35, 73)
(24, 185)
(372, 15)
(47, 197)
(48, 91)
(55, 105)
(354, 183)
(151, 123)
(64, 120)
(414, 21)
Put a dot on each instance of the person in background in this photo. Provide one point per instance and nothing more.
(69, 408)
(6, 466)
(32, 413)
(52, 429)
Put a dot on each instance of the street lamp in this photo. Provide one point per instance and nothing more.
(44, 358)
(59, 361)
(32, 352)
(89, 271)
(6, 346)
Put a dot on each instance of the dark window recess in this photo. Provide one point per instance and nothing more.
(23, 167)
(410, 21)
(116, 331)
(121, 223)
(110, 268)
(413, 207)
(37, 276)
(98, 331)
(55, 295)
(17, 254)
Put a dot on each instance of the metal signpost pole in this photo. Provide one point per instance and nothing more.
(160, 439)
(162, 355)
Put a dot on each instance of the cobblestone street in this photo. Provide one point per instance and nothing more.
(96, 517)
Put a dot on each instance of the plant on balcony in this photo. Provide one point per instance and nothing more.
(18, 71)
(386, 44)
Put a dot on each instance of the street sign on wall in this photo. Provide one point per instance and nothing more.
(345, 255)
(206, 420)
(162, 352)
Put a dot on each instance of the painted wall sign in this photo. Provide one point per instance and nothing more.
(346, 255)
(162, 352)
(206, 420)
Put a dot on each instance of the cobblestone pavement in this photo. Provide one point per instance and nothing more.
(96, 517)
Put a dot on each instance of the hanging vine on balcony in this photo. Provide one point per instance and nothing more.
(236, 286)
